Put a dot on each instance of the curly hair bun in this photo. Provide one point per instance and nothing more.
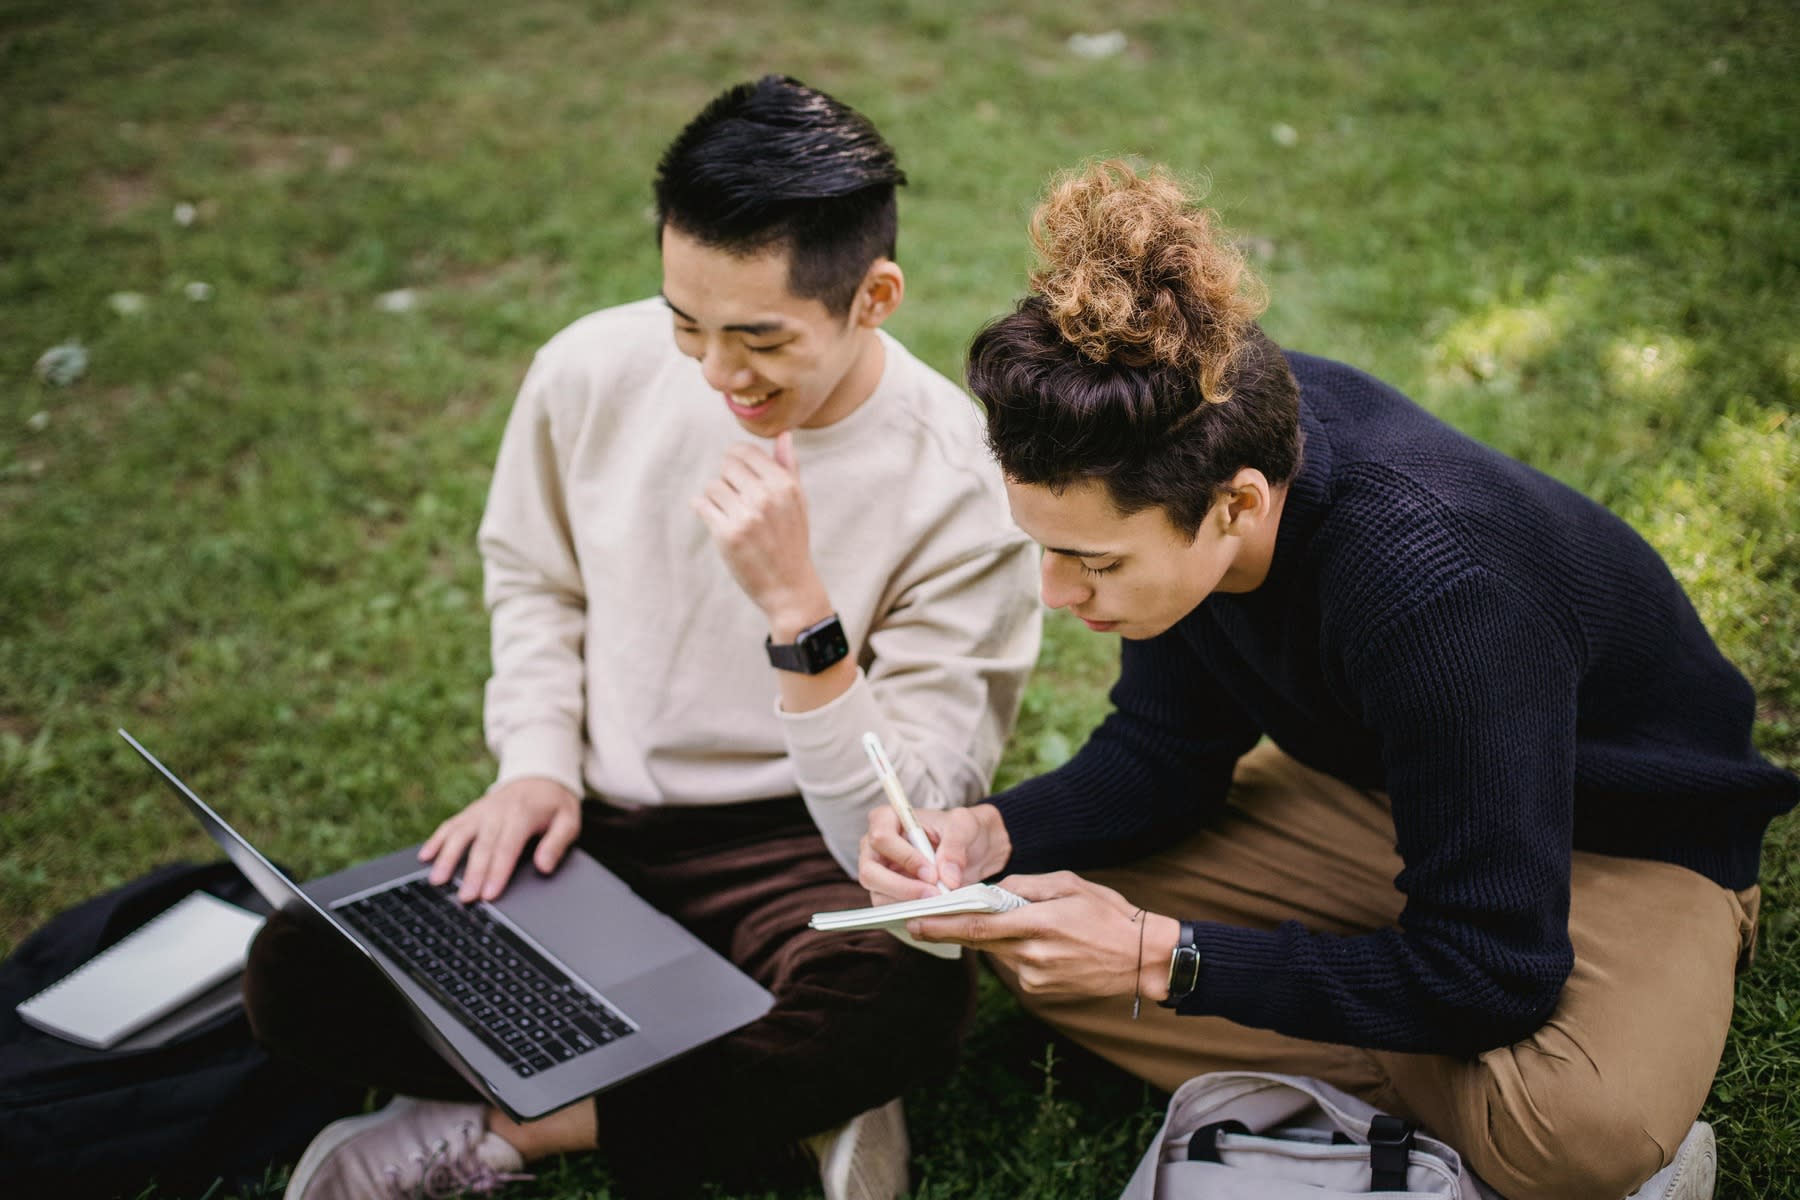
(1134, 271)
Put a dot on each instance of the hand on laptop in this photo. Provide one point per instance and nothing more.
(493, 831)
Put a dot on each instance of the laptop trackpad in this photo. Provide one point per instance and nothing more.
(588, 918)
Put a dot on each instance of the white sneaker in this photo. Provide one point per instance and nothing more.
(410, 1150)
(1690, 1175)
(864, 1158)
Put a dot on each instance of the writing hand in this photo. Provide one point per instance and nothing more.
(971, 843)
(493, 831)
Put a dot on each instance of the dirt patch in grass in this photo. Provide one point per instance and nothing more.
(118, 197)
(269, 156)
(524, 275)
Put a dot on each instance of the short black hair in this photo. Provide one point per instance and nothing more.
(778, 164)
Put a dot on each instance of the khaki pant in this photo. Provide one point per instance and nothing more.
(1591, 1105)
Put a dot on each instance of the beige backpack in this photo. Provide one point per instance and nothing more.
(1246, 1135)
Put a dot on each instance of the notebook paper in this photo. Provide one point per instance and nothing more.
(972, 898)
(178, 955)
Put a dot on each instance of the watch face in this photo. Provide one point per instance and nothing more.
(1184, 971)
(823, 645)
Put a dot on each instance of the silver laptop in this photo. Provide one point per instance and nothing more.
(564, 986)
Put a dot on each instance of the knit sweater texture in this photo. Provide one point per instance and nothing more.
(1508, 660)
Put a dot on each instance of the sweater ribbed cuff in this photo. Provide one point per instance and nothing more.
(1237, 967)
(825, 743)
(546, 751)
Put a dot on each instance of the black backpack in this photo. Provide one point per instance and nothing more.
(208, 1106)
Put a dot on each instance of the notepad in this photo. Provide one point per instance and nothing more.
(181, 954)
(972, 898)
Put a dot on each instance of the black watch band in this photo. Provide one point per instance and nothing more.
(1184, 967)
(818, 647)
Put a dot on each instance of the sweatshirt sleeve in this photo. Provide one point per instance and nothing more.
(533, 590)
(1151, 773)
(946, 670)
(1481, 779)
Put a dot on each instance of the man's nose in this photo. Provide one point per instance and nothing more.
(725, 371)
(1060, 582)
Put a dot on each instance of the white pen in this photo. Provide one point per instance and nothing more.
(890, 783)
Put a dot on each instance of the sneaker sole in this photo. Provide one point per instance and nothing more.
(1696, 1167)
(879, 1146)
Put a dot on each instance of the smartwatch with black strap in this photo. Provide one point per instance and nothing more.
(1184, 967)
(818, 647)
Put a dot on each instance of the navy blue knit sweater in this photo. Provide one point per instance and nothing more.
(1508, 660)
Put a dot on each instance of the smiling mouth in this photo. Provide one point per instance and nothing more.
(750, 406)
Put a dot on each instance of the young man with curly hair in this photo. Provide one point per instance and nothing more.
(1423, 776)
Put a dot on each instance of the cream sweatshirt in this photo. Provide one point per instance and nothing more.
(628, 665)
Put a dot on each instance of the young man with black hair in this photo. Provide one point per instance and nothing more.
(661, 575)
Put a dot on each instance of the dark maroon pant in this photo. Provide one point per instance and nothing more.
(858, 1017)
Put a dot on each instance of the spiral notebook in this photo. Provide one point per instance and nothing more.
(973, 898)
(188, 952)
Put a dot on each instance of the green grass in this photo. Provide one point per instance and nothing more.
(247, 531)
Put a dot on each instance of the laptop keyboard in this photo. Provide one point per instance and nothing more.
(524, 1008)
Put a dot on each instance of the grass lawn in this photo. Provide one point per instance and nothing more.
(247, 531)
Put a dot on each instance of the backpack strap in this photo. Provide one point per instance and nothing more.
(1203, 1146)
(1390, 1149)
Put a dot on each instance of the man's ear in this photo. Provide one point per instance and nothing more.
(880, 294)
(1248, 501)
